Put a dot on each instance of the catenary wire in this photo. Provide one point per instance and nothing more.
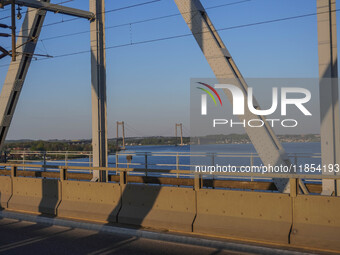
(189, 34)
(141, 21)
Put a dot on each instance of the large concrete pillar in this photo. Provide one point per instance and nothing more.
(98, 82)
(329, 91)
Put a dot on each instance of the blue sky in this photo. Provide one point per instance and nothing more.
(148, 85)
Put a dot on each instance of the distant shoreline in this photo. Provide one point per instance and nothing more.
(85, 145)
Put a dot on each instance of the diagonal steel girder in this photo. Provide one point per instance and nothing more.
(264, 140)
(51, 8)
(28, 38)
(329, 92)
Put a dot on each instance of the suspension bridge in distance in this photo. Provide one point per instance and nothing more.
(122, 124)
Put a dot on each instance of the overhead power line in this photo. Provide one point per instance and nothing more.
(107, 11)
(220, 29)
(132, 6)
(130, 23)
(5, 17)
(112, 10)
(138, 22)
(190, 34)
(67, 1)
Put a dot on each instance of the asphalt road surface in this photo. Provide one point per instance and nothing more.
(20, 237)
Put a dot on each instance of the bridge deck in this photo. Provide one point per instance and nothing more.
(22, 237)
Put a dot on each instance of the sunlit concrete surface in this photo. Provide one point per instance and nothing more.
(21, 237)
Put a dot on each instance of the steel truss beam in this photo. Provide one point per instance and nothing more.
(17, 71)
(329, 91)
(51, 8)
(264, 140)
(98, 91)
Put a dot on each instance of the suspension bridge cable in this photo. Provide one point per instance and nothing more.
(137, 132)
(186, 132)
(167, 131)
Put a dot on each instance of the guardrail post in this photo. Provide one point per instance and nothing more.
(177, 164)
(251, 164)
(123, 177)
(213, 164)
(197, 182)
(23, 160)
(14, 171)
(146, 164)
(66, 158)
(63, 172)
(116, 162)
(128, 159)
(213, 159)
(44, 161)
(294, 187)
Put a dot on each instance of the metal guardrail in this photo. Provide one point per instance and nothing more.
(133, 175)
(50, 157)
(145, 160)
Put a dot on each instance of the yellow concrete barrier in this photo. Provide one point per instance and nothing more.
(316, 222)
(35, 195)
(246, 215)
(5, 190)
(158, 207)
(90, 200)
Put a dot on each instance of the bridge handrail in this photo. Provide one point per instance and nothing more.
(88, 168)
(197, 180)
(177, 171)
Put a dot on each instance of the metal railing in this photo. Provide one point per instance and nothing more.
(151, 163)
(127, 175)
(50, 157)
(148, 160)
